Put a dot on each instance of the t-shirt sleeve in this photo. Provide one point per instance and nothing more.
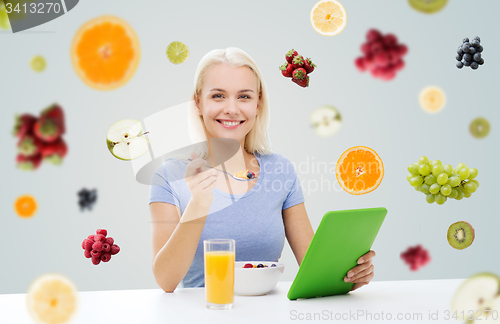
(295, 195)
(160, 189)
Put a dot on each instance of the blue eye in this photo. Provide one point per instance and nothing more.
(247, 97)
(218, 95)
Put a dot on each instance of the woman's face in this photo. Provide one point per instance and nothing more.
(229, 102)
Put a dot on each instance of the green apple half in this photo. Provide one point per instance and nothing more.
(477, 298)
(125, 140)
(326, 121)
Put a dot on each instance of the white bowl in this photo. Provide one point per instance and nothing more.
(256, 281)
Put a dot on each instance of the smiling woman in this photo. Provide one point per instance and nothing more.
(229, 101)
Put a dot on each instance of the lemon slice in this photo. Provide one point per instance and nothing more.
(52, 299)
(432, 99)
(177, 52)
(38, 63)
(328, 17)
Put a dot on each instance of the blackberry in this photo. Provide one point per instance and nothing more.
(474, 65)
(87, 198)
(460, 65)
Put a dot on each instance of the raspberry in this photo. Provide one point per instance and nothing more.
(95, 254)
(97, 246)
(115, 249)
(102, 231)
(99, 237)
(96, 260)
(88, 244)
(416, 257)
(83, 244)
(106, 247)
(87, 254)
(109, 240)
(248, 265)
(105, 257)
(91, 237)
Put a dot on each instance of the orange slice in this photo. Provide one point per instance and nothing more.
(25, 206)
(52, 299)
(105, 52)
(359, 170)
(328, 17)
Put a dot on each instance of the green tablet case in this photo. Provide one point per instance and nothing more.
(341, 238)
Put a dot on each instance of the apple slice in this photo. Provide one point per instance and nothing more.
(489, 313)
(125, 140)
(475, 294)
(326, 121)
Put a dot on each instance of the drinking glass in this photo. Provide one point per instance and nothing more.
(219, 273)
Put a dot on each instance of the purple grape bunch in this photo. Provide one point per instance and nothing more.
(469, 53)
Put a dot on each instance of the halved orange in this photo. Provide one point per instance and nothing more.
(359, 170)
(328, 17)
(105, 52)
(25, 206)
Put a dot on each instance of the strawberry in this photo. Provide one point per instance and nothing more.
(299, 74)
(286, 70)
(298, 62)
(29, 163)
(303, 83)
(291, 55)
(55, 113)
(29, 145)
(47, 130)
(55, 152)
(309, 65)
(24, 125)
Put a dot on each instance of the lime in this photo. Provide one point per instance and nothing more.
(38, 63)
(177, 52)
(4, 18)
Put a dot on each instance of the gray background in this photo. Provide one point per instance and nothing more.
(382, 115)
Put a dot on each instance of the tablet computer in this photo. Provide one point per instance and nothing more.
(341, 238)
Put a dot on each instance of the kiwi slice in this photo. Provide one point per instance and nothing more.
(460, 235)
(428, 6)
(479, 127)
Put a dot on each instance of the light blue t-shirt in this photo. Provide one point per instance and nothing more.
(253, 219)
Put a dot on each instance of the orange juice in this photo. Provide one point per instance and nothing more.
(219, 277)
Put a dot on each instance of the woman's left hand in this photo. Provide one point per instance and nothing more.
(361, 274)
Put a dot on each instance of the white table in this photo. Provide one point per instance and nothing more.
(399, 298)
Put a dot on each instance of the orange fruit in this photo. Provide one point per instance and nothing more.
(105, 52)
(328, 17)
(359, 170)
(52, 299)
(25, 206)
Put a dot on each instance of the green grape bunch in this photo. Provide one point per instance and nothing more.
(439, 182)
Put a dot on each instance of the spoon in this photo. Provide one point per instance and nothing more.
(234, 177)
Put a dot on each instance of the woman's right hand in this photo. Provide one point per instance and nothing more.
(200, 183)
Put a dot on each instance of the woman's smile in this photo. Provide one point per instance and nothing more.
(230, 123)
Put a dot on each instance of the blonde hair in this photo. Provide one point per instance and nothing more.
(257, 140)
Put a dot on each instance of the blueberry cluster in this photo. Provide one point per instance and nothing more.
(87, 198)
(469, 53)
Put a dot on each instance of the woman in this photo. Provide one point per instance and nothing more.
(230, 101)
